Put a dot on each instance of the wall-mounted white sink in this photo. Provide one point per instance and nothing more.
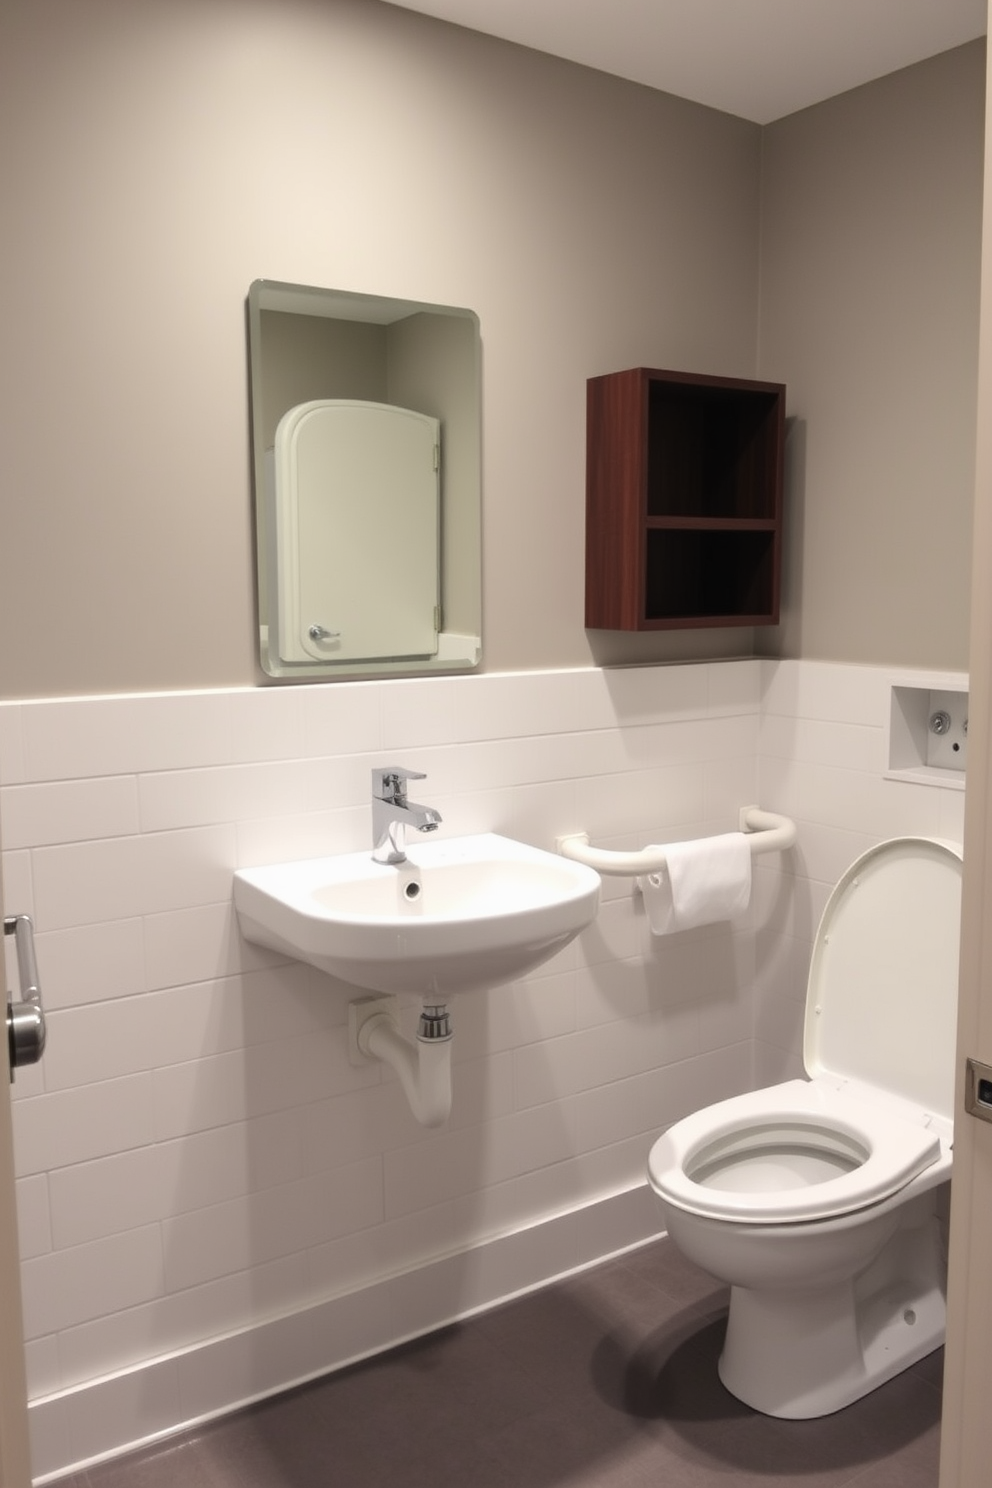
(461, 914)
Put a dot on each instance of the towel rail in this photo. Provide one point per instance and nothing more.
(768, 832)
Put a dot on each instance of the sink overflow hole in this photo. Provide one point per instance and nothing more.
(411, 890)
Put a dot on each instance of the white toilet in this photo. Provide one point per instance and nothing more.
(822, 1201)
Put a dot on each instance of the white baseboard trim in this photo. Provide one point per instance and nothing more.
(117, 1413)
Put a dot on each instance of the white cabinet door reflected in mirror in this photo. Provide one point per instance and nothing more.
(376, 570)
(357, 512)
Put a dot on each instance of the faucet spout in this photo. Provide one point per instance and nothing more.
(425, 818)
(393, 813)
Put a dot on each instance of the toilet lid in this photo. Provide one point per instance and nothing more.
(881, 1001)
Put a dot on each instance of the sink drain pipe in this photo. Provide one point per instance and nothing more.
(423, 1064)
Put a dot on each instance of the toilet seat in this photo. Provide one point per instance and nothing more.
(881, 1006)
(859, 1152)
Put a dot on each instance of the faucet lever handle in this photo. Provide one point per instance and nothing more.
(389, 782)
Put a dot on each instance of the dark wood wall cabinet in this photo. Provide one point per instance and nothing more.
(683, 500)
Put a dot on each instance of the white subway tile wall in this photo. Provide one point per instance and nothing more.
(212, 1199)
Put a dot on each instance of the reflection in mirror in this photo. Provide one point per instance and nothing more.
(366, 445)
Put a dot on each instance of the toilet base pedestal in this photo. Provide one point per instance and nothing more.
(803, 1353)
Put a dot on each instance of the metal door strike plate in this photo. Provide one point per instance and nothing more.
(978, 1089)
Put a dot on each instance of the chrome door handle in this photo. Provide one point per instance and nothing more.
(25, 1019)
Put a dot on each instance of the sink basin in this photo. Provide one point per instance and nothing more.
(461, 914)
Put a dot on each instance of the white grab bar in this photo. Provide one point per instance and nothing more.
(768, 832)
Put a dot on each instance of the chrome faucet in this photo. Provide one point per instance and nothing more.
(392, 813)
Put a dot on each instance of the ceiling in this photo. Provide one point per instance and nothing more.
(759, 59)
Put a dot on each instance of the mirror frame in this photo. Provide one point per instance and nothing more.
(459, 649)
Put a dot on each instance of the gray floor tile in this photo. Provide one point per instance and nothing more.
(606, 1380)
(176, 1463)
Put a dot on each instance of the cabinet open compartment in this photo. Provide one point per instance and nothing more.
(683, 500)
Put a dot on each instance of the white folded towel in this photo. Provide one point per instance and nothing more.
(707, 880)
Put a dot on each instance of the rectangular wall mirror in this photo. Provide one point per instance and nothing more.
(366, 441)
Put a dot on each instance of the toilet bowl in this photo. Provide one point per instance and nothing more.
(822, 1202)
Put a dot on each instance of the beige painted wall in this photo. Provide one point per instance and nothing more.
(433, 361)
(309, 356)
(169, 154)
(871, 260)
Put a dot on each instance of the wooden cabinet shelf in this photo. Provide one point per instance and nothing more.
(683, 500)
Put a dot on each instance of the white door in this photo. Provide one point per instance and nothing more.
(14, 1455)
(966, 1436)
(357, 498)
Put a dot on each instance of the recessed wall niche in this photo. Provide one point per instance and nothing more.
(928, 730)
